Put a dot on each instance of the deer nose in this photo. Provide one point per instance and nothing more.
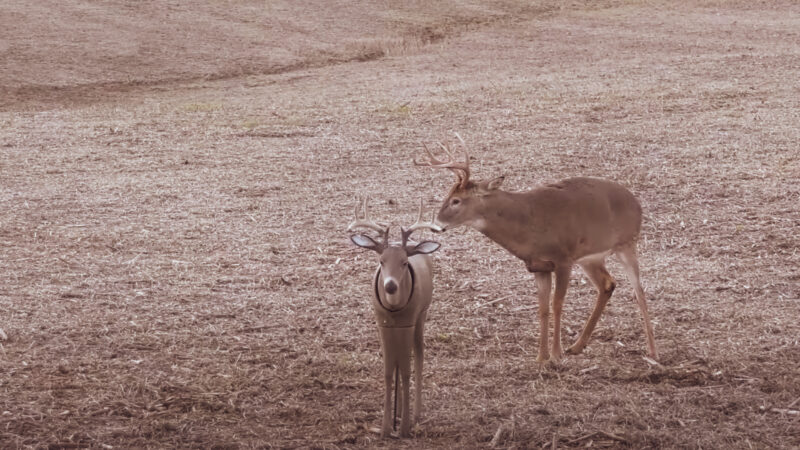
(391, 287)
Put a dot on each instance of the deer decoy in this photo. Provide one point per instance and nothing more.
(401, 293)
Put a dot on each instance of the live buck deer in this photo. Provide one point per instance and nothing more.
(551, 228)
(401, 294)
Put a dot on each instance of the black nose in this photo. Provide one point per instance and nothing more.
(391, 287)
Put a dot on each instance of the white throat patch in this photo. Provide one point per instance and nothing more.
(478, 224)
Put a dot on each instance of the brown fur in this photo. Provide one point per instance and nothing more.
(551, 228)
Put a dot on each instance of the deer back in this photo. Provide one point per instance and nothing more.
(562, 221)
(592, 215)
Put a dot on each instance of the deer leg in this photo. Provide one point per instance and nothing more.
(562, 282)
(386, 426)
(396, 345)
(543, 284)
(596, 271)
(405, 379)
(419, 357)
(631, 263)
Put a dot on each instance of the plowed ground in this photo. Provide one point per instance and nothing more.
(175, 184)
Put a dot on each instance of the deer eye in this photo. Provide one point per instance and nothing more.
(455, 202)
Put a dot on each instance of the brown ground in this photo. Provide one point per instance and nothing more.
(175, 184)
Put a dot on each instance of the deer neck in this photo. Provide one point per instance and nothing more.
(505, 218)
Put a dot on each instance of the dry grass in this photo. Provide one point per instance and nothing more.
(176, 272)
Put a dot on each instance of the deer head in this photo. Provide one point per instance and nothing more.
(461, 207)
(393, 256)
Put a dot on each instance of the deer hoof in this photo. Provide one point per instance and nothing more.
(542, 359)
(575, 350)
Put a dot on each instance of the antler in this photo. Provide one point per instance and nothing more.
(419, 225)
(461, 169)
(366, 222)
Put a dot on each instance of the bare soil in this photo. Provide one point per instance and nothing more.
(175, 184)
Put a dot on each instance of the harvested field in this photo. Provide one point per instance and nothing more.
(175, 184)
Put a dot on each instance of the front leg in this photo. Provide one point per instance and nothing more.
(419, 357)
(386, 426)
(397, 344)
(543, 284)
(405, 401)
(562, 283)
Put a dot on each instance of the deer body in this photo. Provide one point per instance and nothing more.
(402, 290)
(560, 223)
(551, 228)
(402, 329)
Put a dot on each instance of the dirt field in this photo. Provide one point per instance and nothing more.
(175, 184)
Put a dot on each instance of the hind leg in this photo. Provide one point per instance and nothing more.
(630, 261)
(595, 269)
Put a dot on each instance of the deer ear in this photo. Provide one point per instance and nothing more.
(364, 241)
(423, 248)
(486, 187)
(495, 184)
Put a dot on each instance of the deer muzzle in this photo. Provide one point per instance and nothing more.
(390, 286)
